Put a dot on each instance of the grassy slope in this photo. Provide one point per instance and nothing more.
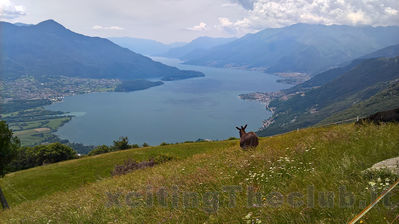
(72, 174)
(326, 158)
(387, 99)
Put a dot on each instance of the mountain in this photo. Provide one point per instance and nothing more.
(372, 84)
(48, 48)
(196, 47)
(329, 75)
(390, 51)
(22, 24)
(307, 48)
(145, 46)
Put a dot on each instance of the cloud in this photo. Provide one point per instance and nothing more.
(247, 4)
(200, 27)
(278, 13)
(98, 27)
(225, 22)
(9, 10)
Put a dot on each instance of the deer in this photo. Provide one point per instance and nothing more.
(247, 140)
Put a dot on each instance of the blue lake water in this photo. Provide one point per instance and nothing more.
(207, 108)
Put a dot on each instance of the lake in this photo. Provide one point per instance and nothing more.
(184, 110)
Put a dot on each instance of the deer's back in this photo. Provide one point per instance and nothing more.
(249, 140)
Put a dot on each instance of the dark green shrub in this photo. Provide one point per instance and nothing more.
(121, 144)
(100, 150)
(28, 157)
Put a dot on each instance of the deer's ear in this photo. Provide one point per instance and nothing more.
(238, 128)
(245, 126)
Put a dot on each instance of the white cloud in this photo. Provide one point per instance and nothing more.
(200, 27)
(98, 27)
(278, 13)
(9, 10)
(225, 22)
(391, 11)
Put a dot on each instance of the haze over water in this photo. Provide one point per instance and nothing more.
(184, 110)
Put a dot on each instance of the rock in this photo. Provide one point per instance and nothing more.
(390, 164)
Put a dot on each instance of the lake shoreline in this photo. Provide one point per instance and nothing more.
(191, 106)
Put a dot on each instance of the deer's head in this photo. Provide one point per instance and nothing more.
(242, 130)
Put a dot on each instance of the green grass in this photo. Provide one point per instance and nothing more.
(29, 136)
(325, 158)
(45, 180)
(24, 122)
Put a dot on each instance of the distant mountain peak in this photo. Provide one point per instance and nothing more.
(50, 23)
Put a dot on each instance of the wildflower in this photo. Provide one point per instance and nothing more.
(248, 216)
(371, 183)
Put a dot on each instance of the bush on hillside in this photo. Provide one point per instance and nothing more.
(134, 146)
(100, 150)
(232, 138)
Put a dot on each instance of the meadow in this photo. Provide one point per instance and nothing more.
(314, 175)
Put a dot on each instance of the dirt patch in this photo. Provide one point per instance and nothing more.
(41, 129)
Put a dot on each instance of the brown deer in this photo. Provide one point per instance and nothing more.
(247, 140)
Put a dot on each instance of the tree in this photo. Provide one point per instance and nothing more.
(8, 148)
(28, 157)
(53, 153)
(122, 144)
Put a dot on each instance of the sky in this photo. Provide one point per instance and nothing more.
(183, 20)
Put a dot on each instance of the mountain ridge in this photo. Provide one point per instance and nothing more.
(197, 47)
(356, 85)
(307, 48)
(145, 46)
(48, 48)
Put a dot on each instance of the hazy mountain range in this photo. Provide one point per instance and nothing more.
(298, 48)
(145, 46)
(48, 48)
(178, 50)
(196, 47)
